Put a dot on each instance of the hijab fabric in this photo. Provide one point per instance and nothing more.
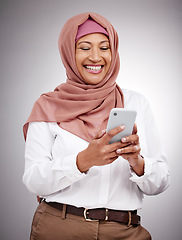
(88, 27)
(77, 107)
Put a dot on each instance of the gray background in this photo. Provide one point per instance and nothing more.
(151, 63)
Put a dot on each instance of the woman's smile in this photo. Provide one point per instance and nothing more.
(93, 57)
(95, 69)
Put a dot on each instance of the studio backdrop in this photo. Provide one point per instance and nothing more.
(150, 49)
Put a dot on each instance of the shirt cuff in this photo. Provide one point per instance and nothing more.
(147, 172)
(69, 167)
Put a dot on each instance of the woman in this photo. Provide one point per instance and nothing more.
(90, 189)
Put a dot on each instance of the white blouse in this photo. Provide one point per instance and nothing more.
(51, 171)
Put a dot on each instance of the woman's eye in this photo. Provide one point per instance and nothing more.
(104, 48)
(85, 48)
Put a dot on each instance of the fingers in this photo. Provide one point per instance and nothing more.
(107, 153)
(114, 146)
(132, 139)
(129, 149)
(133, 145)
(132, 150)
(108, 136)
(100, 134)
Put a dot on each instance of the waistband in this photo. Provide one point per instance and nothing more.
(126, 217)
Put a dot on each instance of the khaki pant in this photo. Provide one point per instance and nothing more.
(52, 224)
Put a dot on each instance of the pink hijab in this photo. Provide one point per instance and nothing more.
(77, 107)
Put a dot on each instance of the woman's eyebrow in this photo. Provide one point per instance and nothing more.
(105, 41)
(91, 43)
(84, 42)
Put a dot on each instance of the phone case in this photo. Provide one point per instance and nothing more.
(118, 117)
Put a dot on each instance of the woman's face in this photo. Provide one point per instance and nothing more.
(93, 57)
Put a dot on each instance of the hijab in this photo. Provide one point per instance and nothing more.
(88, 27)
(76, 106)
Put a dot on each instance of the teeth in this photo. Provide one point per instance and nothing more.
(93, 68)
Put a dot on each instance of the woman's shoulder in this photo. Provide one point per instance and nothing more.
(134, 97)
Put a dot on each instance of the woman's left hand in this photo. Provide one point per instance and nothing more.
(131, 152)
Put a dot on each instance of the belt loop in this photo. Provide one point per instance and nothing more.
(63, 214)
(129, 218)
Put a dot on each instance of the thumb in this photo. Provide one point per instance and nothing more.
(134, 129)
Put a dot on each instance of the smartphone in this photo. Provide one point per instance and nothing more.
(118, 117)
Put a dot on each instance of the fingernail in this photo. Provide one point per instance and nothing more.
(118, 151)
(122, 127)
(123, 139)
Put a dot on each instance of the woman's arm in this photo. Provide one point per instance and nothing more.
(47, 173)
(156, 171)
(44, 173)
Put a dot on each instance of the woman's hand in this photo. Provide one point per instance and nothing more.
(99, 152)
(132, 152)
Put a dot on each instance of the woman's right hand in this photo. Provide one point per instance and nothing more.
(99, 152)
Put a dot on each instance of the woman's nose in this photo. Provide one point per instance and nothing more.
(95, 55)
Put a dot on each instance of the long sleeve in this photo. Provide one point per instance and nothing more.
(47, 173)
(51, 170)
(156, 177)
